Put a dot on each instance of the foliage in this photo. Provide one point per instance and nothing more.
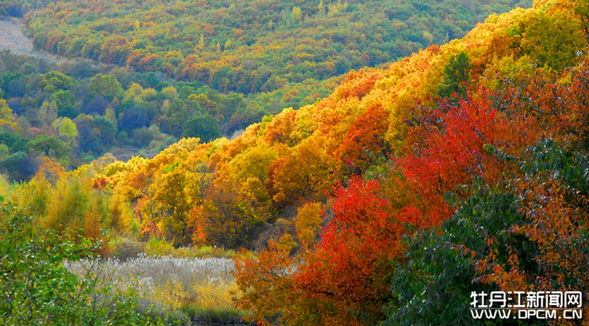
(203, 127)
(252, 47)
(13, 8)
(47, 144)
(359, 241)
(117, 110)
(352, 281)
(228, 218)
(38, 289)
(364, 142)
(55, 81)
(450, 148)
(455, 76)
(435, 284)
(510, 240)
(105, 85)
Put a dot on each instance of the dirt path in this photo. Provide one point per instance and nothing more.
(13, 39)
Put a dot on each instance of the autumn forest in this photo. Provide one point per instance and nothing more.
(292, 163)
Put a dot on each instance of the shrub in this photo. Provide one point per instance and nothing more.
(158, 247)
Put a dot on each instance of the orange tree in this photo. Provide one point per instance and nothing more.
(343, 279)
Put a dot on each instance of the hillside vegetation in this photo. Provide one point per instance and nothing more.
(460, 168)
(74, 112)
(271, 47)
(191, 69)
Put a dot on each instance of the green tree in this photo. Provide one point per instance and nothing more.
(54, 81)
(14, 142)
(105, 85)
(105, 130)
(204, 127)
(6, 80)
(433, 287)
(66, 127)
(67, 130)
(456, 74)
(65, 101)
(19, 166)
(51, 146)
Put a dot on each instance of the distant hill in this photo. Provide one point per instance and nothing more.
(253, 46)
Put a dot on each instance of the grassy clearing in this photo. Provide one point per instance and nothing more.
(183, 290)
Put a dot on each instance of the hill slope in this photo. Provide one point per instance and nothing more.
(252, 47)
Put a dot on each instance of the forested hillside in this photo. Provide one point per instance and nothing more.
(460, 168)
(74, 112)
(176, 69)
(253, 47)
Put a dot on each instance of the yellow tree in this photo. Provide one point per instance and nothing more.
(172, 205)
(7, 121)
(305, 173)
(251, 169)
(228, 217)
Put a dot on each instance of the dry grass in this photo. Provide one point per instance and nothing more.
(200, 289)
